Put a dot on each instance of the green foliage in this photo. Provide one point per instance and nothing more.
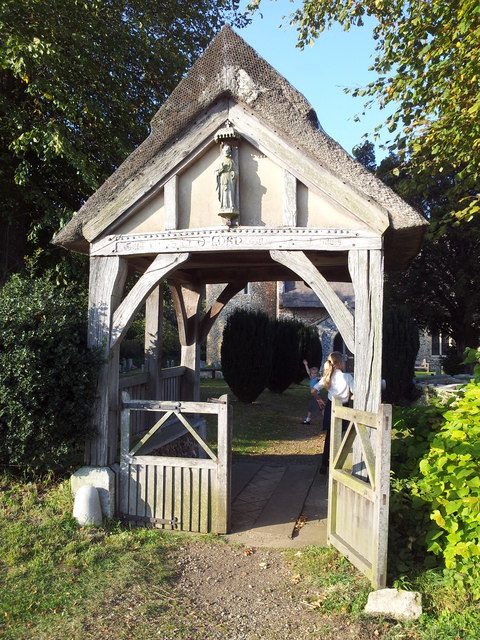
(285, 355)
(427, 71)
(451, 484)
(80, 82)
(472, 357)
(435, 500)
(246, 353)
(309, 349)
(400, 348)
(413, 431)
(441, 286)
(47, 374)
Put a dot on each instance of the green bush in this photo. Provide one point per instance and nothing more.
(47, 374)
(400, 348)
(452, 362)
(413, 430)
(309, 348)
(246, 353)
(435, 489)
(285, 355)
(450, 483)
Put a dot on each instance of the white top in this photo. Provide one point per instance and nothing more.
(341, 385)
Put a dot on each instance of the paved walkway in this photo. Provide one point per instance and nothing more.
(269, 499)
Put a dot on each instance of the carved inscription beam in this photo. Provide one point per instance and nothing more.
(237, 239)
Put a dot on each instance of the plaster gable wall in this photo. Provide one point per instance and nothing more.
(261, 197)
(315, 211)
(261, 189)
(148, 219)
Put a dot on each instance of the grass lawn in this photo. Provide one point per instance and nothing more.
(270, 426)
(61, 581)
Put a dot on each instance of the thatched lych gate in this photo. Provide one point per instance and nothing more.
(236, 183)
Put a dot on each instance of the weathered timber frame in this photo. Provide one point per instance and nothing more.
(111, 316)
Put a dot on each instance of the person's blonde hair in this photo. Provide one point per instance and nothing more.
(334, 361)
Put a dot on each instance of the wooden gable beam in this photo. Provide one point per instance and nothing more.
(298, 262)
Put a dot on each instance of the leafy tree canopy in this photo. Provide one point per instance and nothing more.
(442, 285)
(428, 67)
(79, 83)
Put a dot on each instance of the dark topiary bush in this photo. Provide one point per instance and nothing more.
(309, 348)
(400, 348)
(285, 355)
(247, 353)
(47, 374)
(452, 362)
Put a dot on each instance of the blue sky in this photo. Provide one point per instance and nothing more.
(320, 72)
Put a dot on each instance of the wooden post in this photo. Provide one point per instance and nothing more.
(154, 340)
(124, 450)
(107, 280)
(187, 300)
(366, 270)
(224, 468)
(382, 495)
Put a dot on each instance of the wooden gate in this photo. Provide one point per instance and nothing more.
(189, 494)
(358, 506)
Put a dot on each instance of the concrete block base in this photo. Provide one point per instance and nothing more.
(103, 479)
(401, 605)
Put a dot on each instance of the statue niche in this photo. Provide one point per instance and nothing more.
(226, 174)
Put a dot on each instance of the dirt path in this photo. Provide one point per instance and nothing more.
(241, 594)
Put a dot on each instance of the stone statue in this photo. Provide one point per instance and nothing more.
(227, 176)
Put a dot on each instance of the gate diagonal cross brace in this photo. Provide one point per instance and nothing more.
(187, 426)
(356, 428)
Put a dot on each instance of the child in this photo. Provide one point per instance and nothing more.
(339, 385)
(312, 405)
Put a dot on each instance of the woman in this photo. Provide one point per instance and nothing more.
(339, 385)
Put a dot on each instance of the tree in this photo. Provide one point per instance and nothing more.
(442, 285)
(246, 353)
(79, 83)
(428, 68)
(285, 354)
(309, 348)
(400, 348)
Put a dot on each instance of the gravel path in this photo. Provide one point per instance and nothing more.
(238, 593)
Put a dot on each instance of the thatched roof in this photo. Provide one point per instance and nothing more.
(231, 68)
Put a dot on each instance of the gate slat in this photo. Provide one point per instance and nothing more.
(160, 497)
(195, 499)
(178, 496)
(169, 493)
(205, 517)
